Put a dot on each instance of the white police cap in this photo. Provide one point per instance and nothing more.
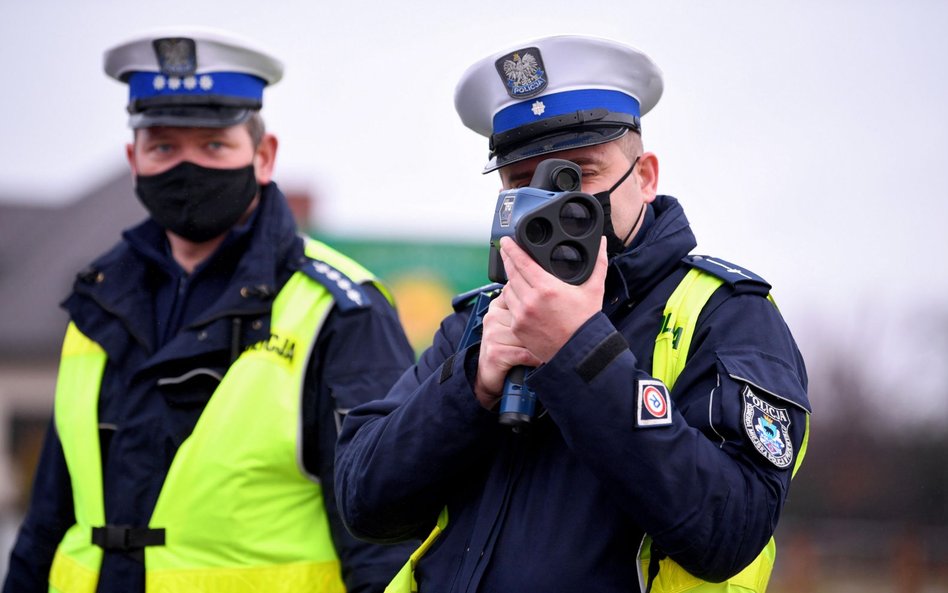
(556, 93)
(191, 77)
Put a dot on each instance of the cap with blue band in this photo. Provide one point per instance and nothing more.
(528, 112)
(191, 77)
(239, 87)
(556, 93)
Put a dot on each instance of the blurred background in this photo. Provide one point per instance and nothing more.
(806, 141)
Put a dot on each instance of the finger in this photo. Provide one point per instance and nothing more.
(508, 294)
(497, 312)
(602, 264)
(500, 302)
(517, 262)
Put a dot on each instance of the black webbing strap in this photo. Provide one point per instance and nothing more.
(125, 538)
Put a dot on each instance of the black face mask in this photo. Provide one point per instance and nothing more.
(615, 245)
(197, 203)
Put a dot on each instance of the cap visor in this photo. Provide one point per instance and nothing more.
(564, 140)
(190, 116)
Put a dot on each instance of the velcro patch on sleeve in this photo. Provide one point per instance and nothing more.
(447, 369)
(652, 405)
(600, 356)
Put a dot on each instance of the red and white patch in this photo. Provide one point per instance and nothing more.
(654, 401)
(652, 406)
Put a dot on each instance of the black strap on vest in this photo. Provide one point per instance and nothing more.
(125, 538)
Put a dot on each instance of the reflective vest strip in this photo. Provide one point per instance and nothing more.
(298, 577)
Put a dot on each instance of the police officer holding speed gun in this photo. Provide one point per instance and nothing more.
(622, 414)
(207, 363)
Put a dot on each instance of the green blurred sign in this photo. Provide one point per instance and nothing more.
(423, 276)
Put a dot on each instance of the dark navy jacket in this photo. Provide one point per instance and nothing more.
(563, 505)
(156, 322)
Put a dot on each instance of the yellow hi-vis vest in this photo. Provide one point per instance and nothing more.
(670, 354)
(239, 514)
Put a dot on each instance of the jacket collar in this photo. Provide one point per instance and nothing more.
(636, 271)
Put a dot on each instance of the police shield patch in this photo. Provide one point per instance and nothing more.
(768, 428)
(653, 407)
(522, 72)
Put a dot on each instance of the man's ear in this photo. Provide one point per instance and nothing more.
(647, 173)
(130, 157)
(264, 159)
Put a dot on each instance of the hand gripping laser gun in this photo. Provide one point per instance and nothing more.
(560, 228)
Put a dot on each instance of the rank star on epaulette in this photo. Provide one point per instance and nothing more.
(768, 428)
(343, 284)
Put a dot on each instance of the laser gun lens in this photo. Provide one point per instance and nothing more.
(566, 179)
(566, 261)
(575, 218)
(538, 231)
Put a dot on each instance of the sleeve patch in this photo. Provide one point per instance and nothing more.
(768, 428)
(652, 404)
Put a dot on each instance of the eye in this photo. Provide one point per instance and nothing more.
(215, 145)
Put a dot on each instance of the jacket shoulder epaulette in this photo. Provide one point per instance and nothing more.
(348, 294)
(732, 274)
(466, 299)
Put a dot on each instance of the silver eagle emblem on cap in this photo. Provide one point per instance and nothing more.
(177, 56)
(523, 73)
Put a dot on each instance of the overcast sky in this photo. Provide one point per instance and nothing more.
(807, 140)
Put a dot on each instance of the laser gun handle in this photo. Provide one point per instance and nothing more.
(518, 402)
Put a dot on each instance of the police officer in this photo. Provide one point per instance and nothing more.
(672, 405)
(208, 360)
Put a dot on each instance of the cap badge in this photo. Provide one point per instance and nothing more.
(522, 72)
(177, 56)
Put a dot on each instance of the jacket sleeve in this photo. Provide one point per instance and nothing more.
(49, 516)
(397, 458)
(698, 484)
(357, 357)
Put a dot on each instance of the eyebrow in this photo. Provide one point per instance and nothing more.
(164, 134)
(514, 179)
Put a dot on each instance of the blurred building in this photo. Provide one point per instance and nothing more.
(41, 249)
